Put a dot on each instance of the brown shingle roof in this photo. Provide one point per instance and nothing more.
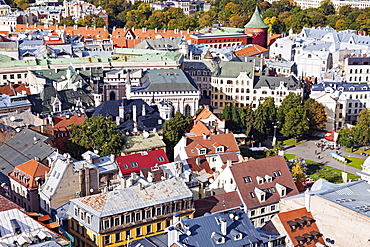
(275, 167)
(203, 164)
(217, 203)
(302, 231)
(226, 140)
(6, 204)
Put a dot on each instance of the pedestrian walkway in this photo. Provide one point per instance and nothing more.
(307, 151)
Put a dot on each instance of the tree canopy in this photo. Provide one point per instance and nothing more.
(98, 133)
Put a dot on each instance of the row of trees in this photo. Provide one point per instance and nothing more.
(293, 118)
(89, 20)
(358, 134)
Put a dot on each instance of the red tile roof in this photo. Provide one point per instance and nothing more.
(6, 204)
(226, 140)
(217, 203)
(198, 164)
(206, 113)
(119, 36)
(134, 162)
(63, 121)
(250, 51)
(12, 90)
(275, 167)
(200, 128)
(309, 226)
(32, 169)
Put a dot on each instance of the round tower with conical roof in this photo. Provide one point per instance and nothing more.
(257, 29)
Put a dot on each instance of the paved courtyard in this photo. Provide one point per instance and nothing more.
(307, 151)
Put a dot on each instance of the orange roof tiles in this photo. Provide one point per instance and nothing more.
(206, 113)
(33, 169)
(198, 164)
(63, 121)
(303, 216)
(200, 128)
(89, 32)
(137, 35)
(14, 89)
(226, 140)
(250, 51)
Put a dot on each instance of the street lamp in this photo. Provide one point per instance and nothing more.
(274, 138)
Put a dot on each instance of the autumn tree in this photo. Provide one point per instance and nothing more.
(98, 133)
(298, 171)
(316, 114)
(362, 128)
(91, 20)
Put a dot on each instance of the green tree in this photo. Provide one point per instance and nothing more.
(362, 128)
(246, 119)
(295, 122)
(346, 137)
(291, 101)
(226, 113)
(91, 20)
(259, 124)
(199, 111)
(298, 171)
(316, 114)
(67, 21)
(98, 133)
(327, 7)
(269, 114)
(173, 130)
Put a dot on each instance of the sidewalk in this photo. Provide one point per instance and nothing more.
(307, 151)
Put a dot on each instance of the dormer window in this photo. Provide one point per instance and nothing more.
(247, 179)
(218, 238)
(293, 225)
(220, 149)
(277, 174)
(259, 180)
(268, 178)
(281, 189)
(160, 159)
(260, 194)
(202, 151)
(236, 234)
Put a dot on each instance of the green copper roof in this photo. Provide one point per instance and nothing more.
(256, 21)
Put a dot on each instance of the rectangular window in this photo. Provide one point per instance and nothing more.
(159, 226)
(138, 231)
(168, 223)
(252, 194)
(273, 207)
(253, 213)
(128, 219)
(263, 210)
(134, 164)
(247, 179)
(117, 221)
(160, 159)
(118, 237)
(158, 211)
(107, 239)
(148, 229)
(128, 234)
(148, 214)
(125, 166)
(106, 224)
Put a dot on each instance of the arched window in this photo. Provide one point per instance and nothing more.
(187, 111)
(112, 95)
(242, 90)
(350, 71)
(204, 92)
(248, 91)
(237, 90)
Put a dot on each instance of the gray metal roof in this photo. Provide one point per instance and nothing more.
(23, 146)
(130, 199)
(354, 196)
(166, 80)
(204, 229)
(291, 82)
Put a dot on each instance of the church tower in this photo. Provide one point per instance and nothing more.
(257, 29)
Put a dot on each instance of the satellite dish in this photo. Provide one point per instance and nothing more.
(91, 190)
(12, 118)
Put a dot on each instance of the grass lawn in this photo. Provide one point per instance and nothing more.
(290, 142)
(289, 156)
(355, 162)
(317, 170)
(357, 150)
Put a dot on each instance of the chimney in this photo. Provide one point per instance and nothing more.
(141, 186)
(121, 112)
(164, 30)
(197, 160)
(114, 28)
(112, 158)
(204, 136)
(124, 29)
(223, 227)
(134, 113)
(176, 218)
(67, 116)
(155, 30)
(143, 110)
(229, 163)
(118, 121)
(307, 200)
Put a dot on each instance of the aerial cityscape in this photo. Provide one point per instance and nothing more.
(184, 123)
